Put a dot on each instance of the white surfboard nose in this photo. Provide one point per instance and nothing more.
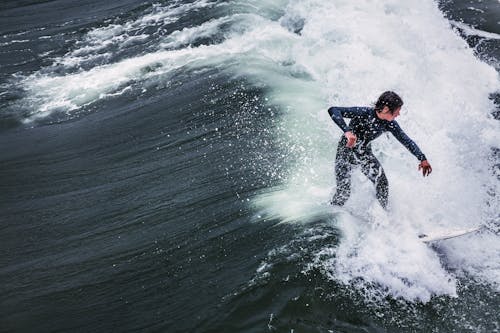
(446, 234)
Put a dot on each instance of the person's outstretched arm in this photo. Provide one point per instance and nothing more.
(412, 147)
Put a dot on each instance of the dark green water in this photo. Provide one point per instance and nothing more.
(132, 152)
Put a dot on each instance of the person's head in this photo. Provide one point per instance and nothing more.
(388, 105)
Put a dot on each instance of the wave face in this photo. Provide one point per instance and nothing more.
(167, 166)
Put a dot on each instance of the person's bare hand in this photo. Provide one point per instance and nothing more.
(351, 139)
(425, 167)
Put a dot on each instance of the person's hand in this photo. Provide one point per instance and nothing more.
(425, 167)
(351, 139)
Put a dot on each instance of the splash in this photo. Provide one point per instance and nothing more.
(350, 53)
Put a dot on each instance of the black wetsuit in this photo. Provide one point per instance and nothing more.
(366, 126)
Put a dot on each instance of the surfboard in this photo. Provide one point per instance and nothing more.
(446, 234)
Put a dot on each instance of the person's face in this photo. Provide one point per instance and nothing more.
(386, 114)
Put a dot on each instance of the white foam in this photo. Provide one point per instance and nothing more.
(97, 41)
(389, 260)
(70, 92)
(50, 93)
(186, 36)
(171, 12)
(469, 31)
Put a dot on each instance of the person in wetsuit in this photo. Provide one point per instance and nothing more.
(354, 149)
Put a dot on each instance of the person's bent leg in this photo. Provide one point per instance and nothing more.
(343, 190)
(343, 169)
(372, 168)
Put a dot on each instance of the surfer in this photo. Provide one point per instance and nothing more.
(354, 149)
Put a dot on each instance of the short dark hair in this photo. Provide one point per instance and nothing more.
(389, 99)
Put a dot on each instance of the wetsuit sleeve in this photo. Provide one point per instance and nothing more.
(338, 113)
(406, 141)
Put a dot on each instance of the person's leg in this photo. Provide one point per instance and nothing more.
(372, 168)
(343, 168)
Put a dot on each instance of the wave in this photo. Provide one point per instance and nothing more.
(309, 55)
(353, 52)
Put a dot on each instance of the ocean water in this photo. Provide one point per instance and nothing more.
(165, 166)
